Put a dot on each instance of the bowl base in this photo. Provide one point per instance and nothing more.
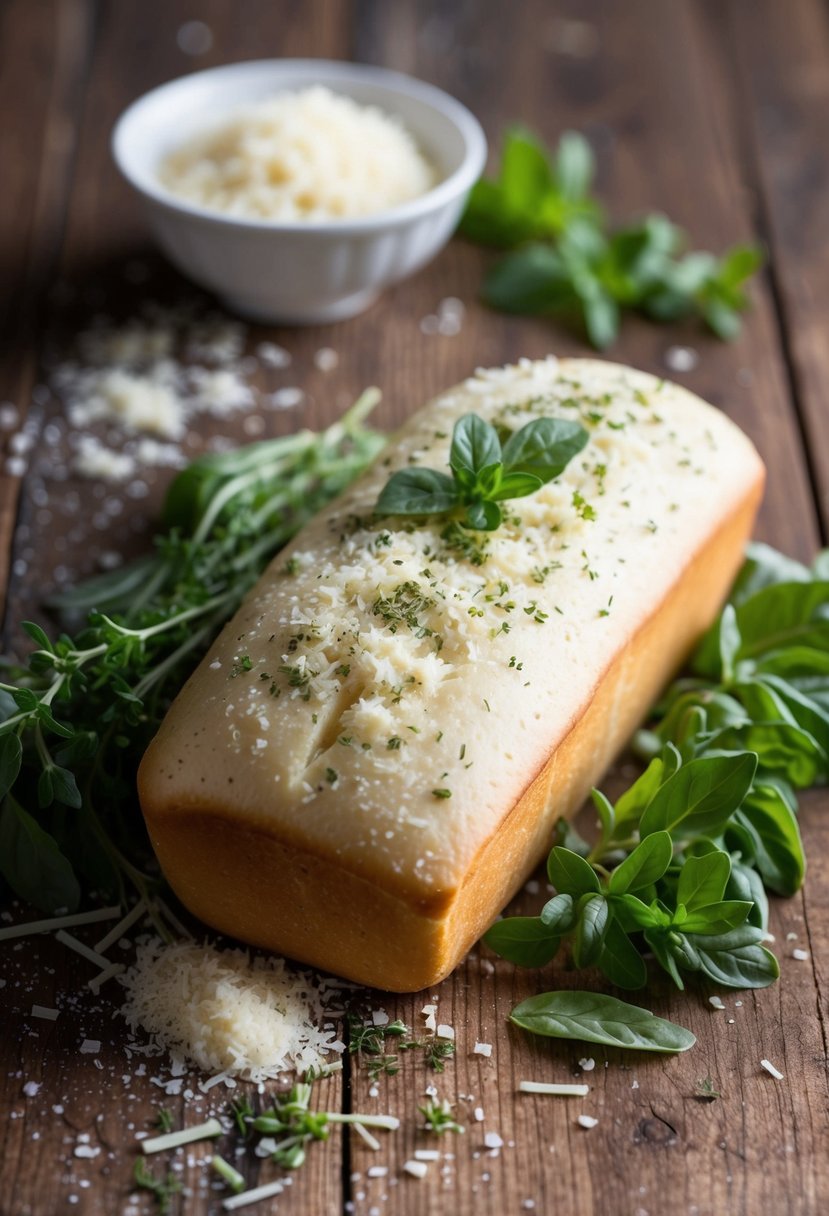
(315, 314)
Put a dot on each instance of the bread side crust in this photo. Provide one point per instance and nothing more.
(247, 882)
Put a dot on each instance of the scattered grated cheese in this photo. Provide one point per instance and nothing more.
(230, 1014)
(90, 1047)
(96, 461)
(769, 1067)
(587, 1064)
(427, 1154)
(31, 1088)
(716, 1002)
(493, 1140)
(202, 1131)
(107, 974)
(258, 1193)
(59, 922)
(120, 929)
(548, 1087)
(67, 939)
(800, 955)
(482, 1049)
(87, 1150)
(479, 1114)
(445, 1032)
(417, 1169)
(377, 1171)
(48, 1015)
(587, 1121)
(370, 1140)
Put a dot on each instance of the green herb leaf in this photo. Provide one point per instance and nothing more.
(593, 1018)
(32, 863)
(544, 447)
(701, 796)
(571, 874)
(524, 940)
(645, 865)
(475, 446)
(703, 879)
(417, 492)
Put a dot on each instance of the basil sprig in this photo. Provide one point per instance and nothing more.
(684, 858)
(483, 472)
(566, 261)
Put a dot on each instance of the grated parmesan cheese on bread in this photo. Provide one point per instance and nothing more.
(229, 1014)
(371, 758)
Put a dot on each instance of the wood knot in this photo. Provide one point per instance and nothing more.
(656, 1131)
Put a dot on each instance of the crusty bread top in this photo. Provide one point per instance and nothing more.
(375, 663)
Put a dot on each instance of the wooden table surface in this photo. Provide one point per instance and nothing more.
(714, 111)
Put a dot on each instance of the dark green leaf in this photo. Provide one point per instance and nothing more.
(39, 636)
(571, 874)
(701, 796)
(417, 492)
(778, 849)
(543, 448)
(558, 914)
(590, 930)
(703, 879)
(32, 863)
(737, 959)
(531, 280)
(594, 1018)
(524, 940)
(475, 445)
(483, 516)
(717, 918)
(620, 961)
(11, 758)
(516, 485)
(645, 865)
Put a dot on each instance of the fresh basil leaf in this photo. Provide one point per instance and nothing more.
(784, 615)
(531, 280)
(663, 952)
(737, 960)
(526, 175)
(777, 847)
(590, 930)
(645, 865)
(633, 913)
(516, 485)
(764, 567)
(31, 862)
(574, 166)
(746, 883)
(490, 220)
(571, 874)
(65, 787)
(607, 815)
(417, 491)
(559, 914)
(781, 748)
(524, 940)
(488, 481)
(717, 918)
(475, 445)
(701, 796)
(483, 516)
(636, 797)
(594, 1018)
(703, 879)
(729, 642)
(544, 447)
(620, 961)
(11, 759)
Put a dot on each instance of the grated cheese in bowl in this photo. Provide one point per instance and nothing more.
(305, 155)
(230, 1014)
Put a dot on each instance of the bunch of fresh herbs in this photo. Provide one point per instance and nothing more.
(683, 859)
(567, 261)
(77, 716)
(487, 468)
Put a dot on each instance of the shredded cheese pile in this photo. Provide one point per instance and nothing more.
(309, 155)
(229, 1014)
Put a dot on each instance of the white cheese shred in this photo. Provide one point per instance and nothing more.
(769, 1067)
(417, 1169)
(202, 1131)
(366, 1135)
(48, 1015)
(254, 1196)
(58, 922)
(121, 928)
(67, 939)
(557, 1090)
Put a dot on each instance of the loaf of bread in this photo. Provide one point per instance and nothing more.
(371, 759)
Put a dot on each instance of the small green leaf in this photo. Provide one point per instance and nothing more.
(701, 796)
(524, 940)
(620, 961)
(475, 445)
(737, 960)
(483, 516)
(11, 758)
(417, 491)
(594, 1018)
(703, 879)
(516, 485)
(544, 447)
(716, 919)
(571, 874)
(559, 914)
(645, 865)
(591, 927)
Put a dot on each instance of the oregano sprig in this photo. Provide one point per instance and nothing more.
(484, 472)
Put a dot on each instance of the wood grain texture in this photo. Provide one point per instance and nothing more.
(713, 112)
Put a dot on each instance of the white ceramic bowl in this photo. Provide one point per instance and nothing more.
(299, 272)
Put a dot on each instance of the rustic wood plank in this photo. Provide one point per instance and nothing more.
(49, 43)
